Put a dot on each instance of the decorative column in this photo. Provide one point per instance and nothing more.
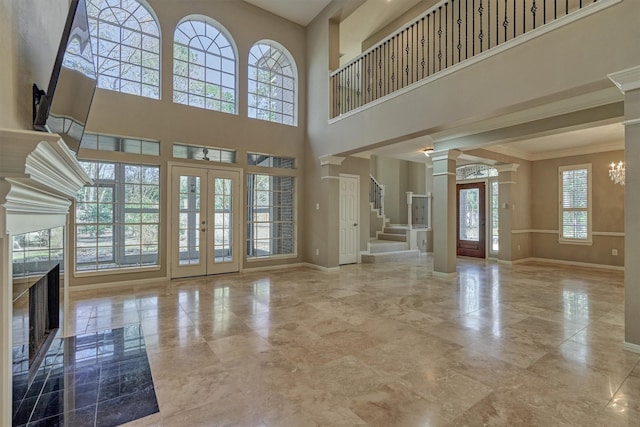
(444, 212)
(628, 81)
(506, 182)
(330, 176)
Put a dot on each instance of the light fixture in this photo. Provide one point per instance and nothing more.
(616, 172)
(427, 151)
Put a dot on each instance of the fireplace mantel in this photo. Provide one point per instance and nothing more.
(39, 177)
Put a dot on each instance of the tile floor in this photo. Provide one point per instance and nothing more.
(99, 379)
(382, 345)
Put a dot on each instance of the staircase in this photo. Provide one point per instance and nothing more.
(390, 245)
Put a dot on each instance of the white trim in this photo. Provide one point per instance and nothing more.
(633, 348)
(608, 233)
(576, 263)
(444, 174)
(506, 182)
(330, 177)
(587, 242)
(626, 80)
(321, 268)
(524, 38)
(109, 285)
(631, 122)
(273, 267)
(271, 257)
(512, 262)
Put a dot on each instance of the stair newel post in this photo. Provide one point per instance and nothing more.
(409, 207)
(428, 210)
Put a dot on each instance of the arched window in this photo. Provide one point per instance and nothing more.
(272, 83)
(204, 65)
(126, 43)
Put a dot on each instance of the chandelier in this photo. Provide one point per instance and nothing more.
(616, 172)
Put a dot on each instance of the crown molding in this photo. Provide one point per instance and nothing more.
(626, 80)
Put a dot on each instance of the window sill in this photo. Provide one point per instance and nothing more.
(271, 258)
(112, 271)
(588, 242)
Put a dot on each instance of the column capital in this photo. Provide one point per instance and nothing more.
(509, 167)
(331, 160)
(626, 80)
(445, 155)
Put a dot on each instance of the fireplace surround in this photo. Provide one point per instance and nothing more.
(39, 178)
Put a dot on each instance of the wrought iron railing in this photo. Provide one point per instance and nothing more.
(376, 194)
(445, 35)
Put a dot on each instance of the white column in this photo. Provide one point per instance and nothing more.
(506, 181)
(629, 83)
(6, 322)
(444, 212)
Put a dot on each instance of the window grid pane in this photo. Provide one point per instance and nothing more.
(574, 203)
(126, 47)
(117, 218)
(204, 67)
(270, 215)
(271, 84)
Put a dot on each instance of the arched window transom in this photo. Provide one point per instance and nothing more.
(204, 66)
(272, 84)
(126, 44)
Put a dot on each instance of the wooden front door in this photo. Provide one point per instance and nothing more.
(471, 219)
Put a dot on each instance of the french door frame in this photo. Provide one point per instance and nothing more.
(485, 213)
(206, 266)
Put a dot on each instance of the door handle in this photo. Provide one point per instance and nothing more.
(203, 229)
(355, 225)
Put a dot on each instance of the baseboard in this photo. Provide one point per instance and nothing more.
(633, 348)
(515, 261)
(273, 267)
(321, 268)
(444, 275)
(108, 285)
(577, 264)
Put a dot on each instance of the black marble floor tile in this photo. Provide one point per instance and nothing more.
(101, 378)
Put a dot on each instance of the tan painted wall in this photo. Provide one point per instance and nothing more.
(549, 67)
(30, 31)
(608, 211)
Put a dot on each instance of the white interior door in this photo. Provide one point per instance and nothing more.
(349, 217)
(205, 218)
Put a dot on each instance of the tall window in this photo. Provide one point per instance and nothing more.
(126, 44)
(575, 204)
(272, 83)
(117, 218)
(270, 216)
(204, 66)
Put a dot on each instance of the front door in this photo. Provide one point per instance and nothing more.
(349, 213)
(205, 221)
(471, 219)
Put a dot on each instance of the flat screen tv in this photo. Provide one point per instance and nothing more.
(64, 107)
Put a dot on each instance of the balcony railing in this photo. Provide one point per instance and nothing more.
(449, 33)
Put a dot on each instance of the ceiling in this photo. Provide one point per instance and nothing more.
(299, 11)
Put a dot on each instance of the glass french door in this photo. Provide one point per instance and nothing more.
(471, 220)
(205, 222)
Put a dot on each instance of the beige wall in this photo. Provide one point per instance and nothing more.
(30, 31)
(607, 211)
(548, 68)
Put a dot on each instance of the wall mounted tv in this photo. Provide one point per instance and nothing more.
(64, 107)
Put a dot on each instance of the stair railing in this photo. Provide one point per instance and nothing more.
(376, 194)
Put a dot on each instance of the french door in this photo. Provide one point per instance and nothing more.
(471, 219)
(205, 221)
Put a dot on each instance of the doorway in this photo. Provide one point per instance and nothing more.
(205, 224)
(349, 218)
(470, 214)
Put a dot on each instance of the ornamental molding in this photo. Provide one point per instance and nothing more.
(626, 80)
